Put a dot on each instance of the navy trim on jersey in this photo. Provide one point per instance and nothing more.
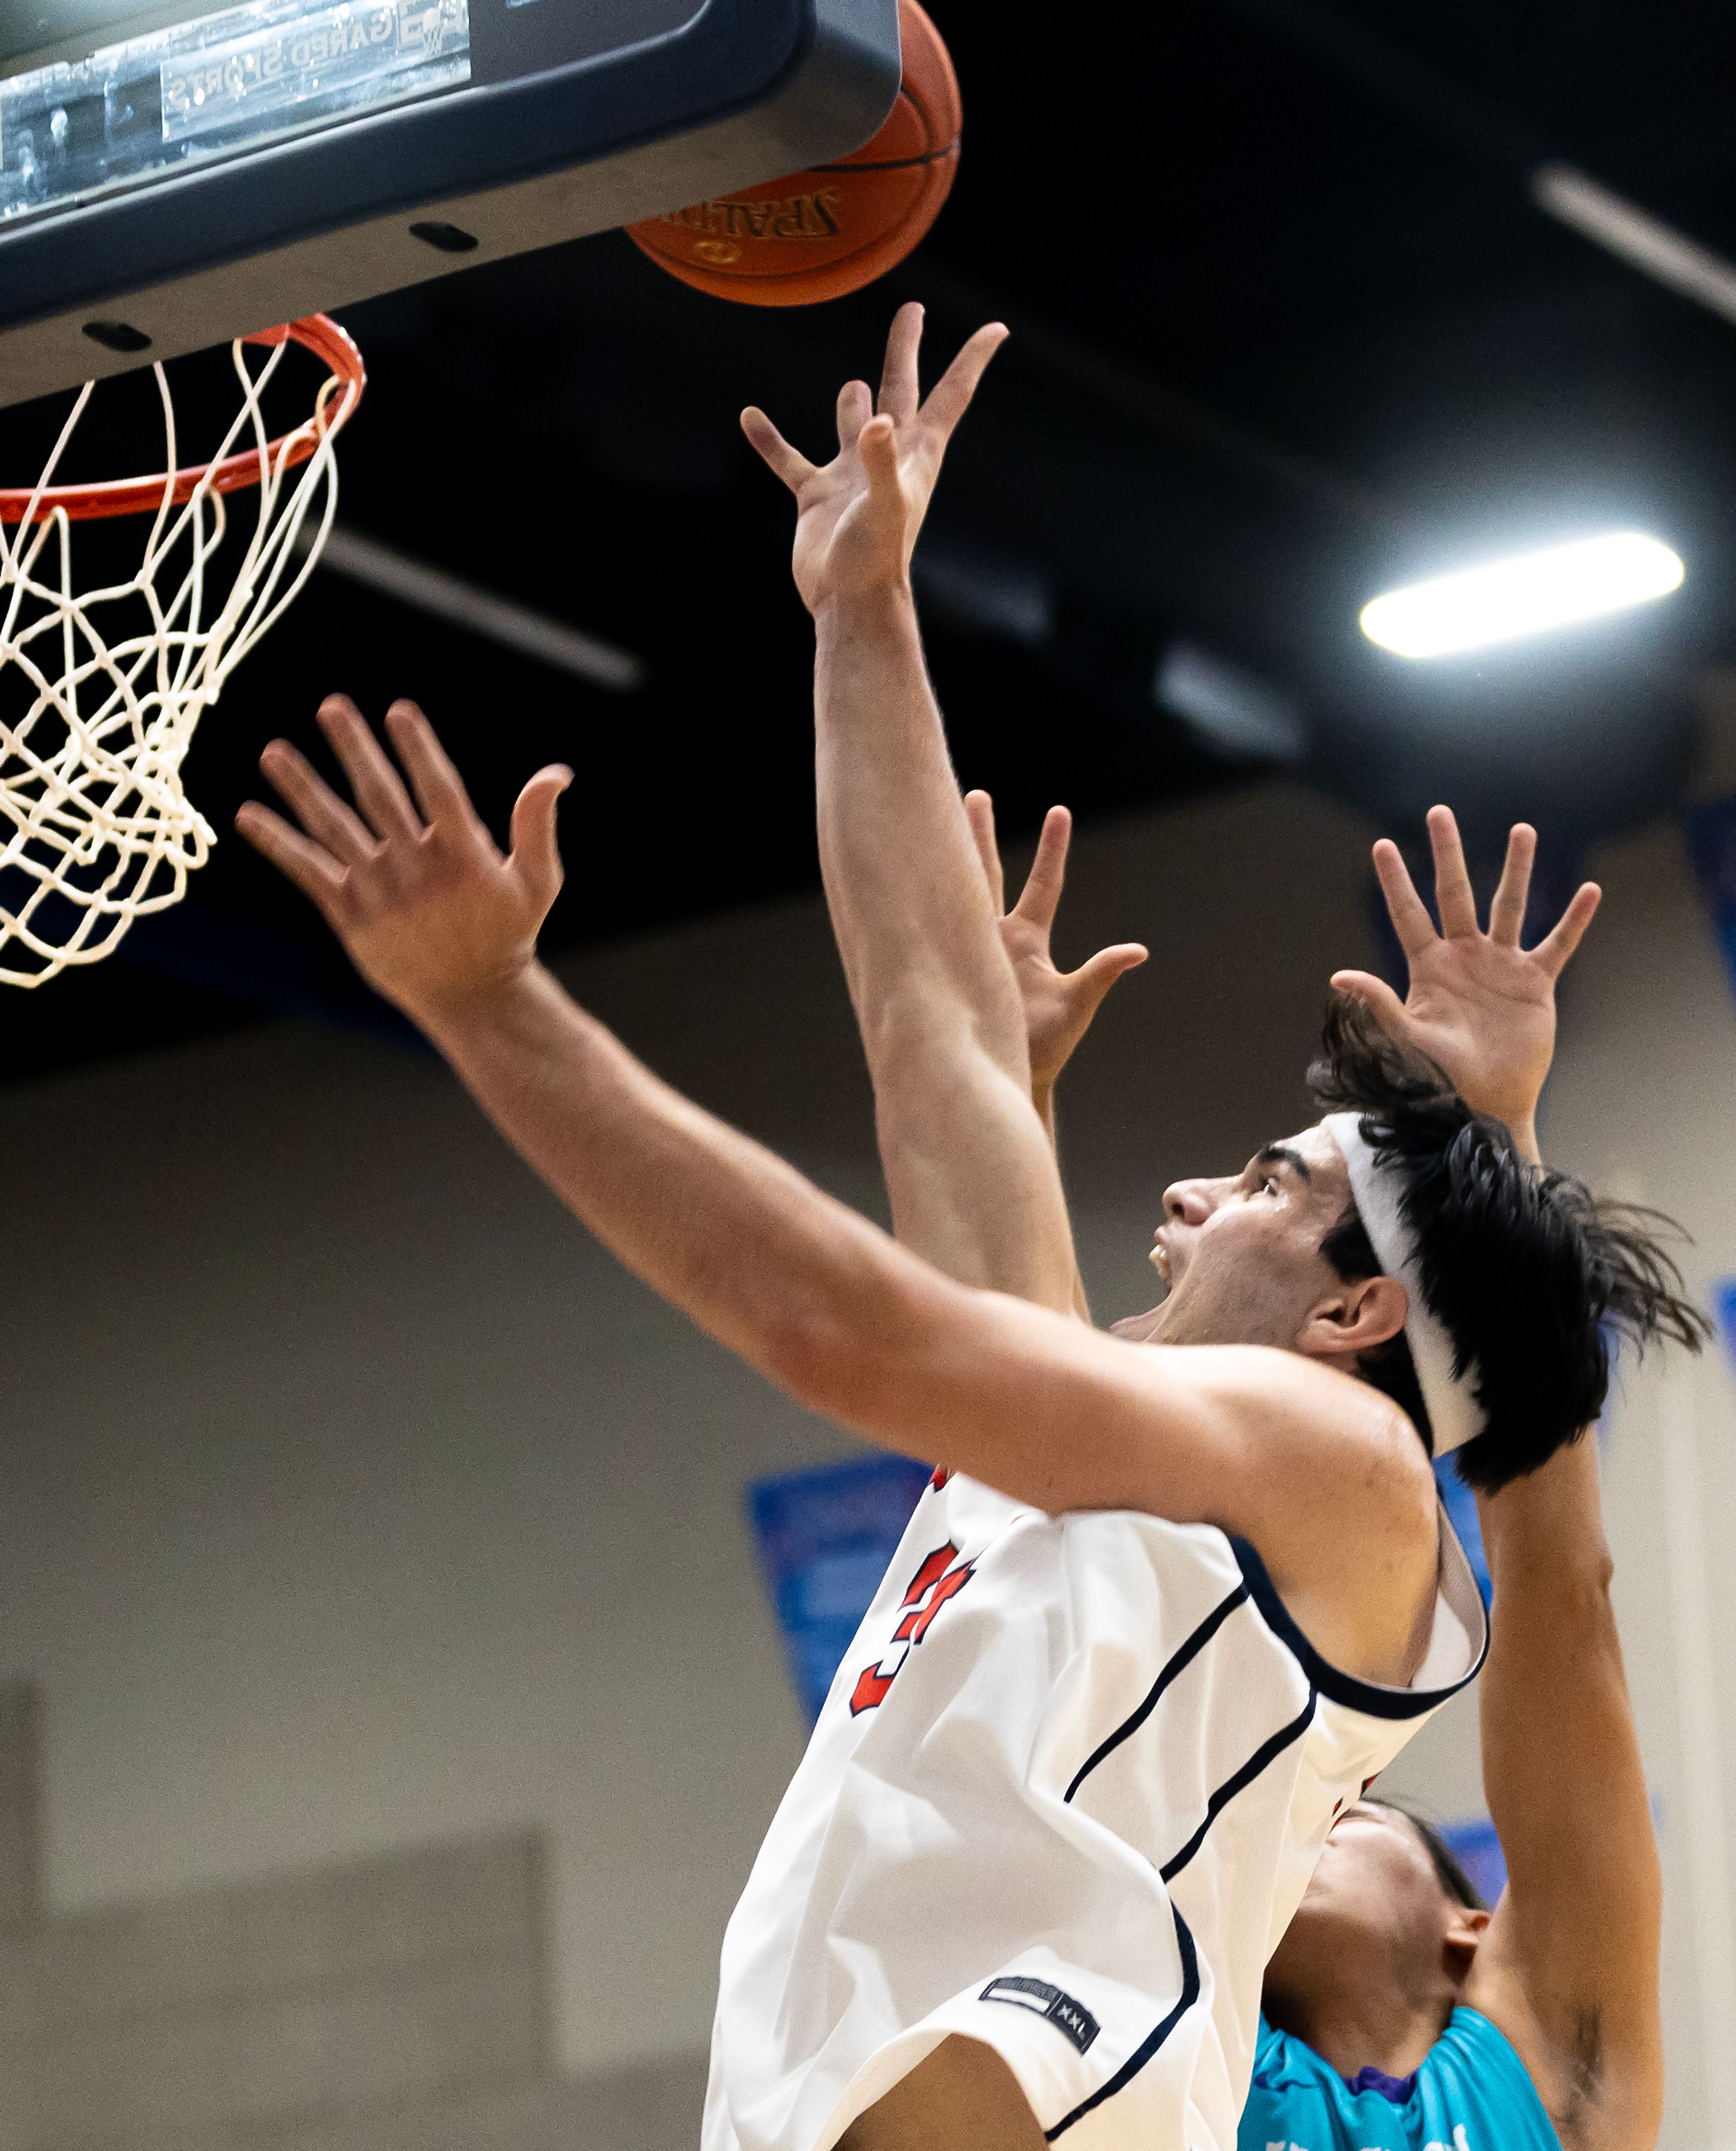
(1367, 1697)
(1267, 1751)
(1141, 2054)
(1183, 1657)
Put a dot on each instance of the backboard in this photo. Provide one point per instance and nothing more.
(173, 174)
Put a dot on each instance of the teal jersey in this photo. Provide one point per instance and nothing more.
(1471, 2094)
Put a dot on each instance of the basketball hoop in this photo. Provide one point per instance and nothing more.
(95, 830)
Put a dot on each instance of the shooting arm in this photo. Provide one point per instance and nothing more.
(1312, 1468)
(807, 1291)
(1569, 1967)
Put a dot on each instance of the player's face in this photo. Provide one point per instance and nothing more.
(1374, 1910)
(1240, 1256)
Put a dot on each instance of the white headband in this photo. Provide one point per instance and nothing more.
(1454, 1413)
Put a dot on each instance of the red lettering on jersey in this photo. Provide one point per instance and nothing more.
(941, 1475)
(933, 1567)
(915, 1624)
(936, 1581)
(871, 1687)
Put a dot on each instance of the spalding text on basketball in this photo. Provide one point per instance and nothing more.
(795, 216)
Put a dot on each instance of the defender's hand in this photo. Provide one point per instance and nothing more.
(1479, 1005)
(857, 516)
(415, 888)
(1059, 1005)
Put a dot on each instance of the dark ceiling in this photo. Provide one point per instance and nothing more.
(1285, 329)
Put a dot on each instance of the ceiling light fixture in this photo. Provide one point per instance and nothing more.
(1240, 713)
(1527, 594)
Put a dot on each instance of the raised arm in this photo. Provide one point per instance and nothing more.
(1314, 1468)
(969, 1169)
(1568, 1967)
(1059, 1006)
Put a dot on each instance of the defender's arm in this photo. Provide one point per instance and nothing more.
(1568, 1969)
(1059, 1006)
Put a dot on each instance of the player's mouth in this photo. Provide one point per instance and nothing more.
(1163, 1259)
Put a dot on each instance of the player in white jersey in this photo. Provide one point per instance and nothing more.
(1117, 1776)
(1065, 1792)
(1203, 1760)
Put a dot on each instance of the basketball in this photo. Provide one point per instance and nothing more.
(818, 234)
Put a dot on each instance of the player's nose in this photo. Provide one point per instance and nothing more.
(1190, 1201)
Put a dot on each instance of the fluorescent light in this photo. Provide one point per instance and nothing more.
(1236, 709)
(450, 597)
(994, 595)
(1634, 235)
(1527, 594)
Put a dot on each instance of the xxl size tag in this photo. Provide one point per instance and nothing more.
(1067, 2015)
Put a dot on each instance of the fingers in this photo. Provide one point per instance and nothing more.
(1454, 899)
(788, 463)
(900, 390)
(1406, 909)
(1553, 951)
(1091, 981)
(950, 398)
(876, 444)
(536, 853)
(1042, 891)
(979, 812)
(308, 865)
(332, 825)
(379, 788)
(855, 408)
(1507, 911)
(439, 788)
(1376, 996)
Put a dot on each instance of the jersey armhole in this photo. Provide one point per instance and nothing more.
(1456, 1593)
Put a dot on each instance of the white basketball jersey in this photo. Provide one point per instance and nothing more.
(1067, 1791)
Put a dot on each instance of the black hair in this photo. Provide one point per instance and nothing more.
(1451, 1876)
(1531, 1275)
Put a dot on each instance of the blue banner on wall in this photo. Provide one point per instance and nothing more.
(1712, 846)
(1724, 1299)
(825, 1537)
(1477, 1850)
(1460, 1505)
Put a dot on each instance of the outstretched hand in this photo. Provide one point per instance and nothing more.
(409, 879)
(1479, 1005)
(1059, 1005)
(857, 517)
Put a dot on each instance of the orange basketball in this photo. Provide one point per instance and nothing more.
(817, 234)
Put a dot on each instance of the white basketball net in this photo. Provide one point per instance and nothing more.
(94, 827)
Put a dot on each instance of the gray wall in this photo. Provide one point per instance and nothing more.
(352, 1504)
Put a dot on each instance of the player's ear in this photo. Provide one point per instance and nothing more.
(1466, 1926)
(1353, 1317)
